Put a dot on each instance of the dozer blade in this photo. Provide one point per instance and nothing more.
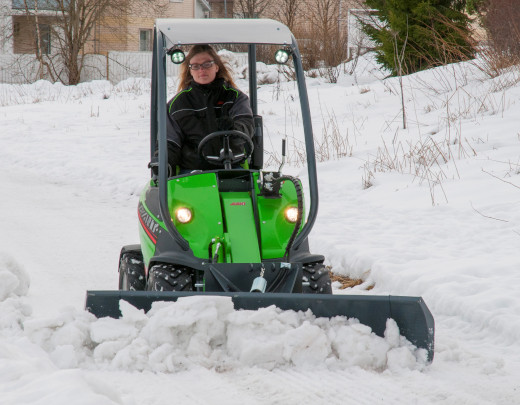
(411, 314)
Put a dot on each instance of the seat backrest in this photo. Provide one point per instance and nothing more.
(257, 159)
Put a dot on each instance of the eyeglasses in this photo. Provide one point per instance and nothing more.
(205, 65)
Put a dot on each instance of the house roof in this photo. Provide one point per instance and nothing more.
(224, 31)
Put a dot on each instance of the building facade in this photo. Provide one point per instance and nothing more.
(221, 8)
(27, 26)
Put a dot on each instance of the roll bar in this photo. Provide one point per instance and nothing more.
(158, 129)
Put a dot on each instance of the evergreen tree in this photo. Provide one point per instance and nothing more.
(413, 35)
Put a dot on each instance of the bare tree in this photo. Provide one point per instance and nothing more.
(325, 17)
(251, 8)
(501, 20)
(46, 65)
(289, 12)
(399, 57)
(72, 27)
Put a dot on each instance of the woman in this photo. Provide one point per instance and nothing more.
(208, 100)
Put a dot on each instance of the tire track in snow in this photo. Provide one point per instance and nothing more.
(292, 386)
(351, 386)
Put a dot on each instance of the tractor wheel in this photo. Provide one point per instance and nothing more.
(166, 277)
(131, 272)
(318, 278)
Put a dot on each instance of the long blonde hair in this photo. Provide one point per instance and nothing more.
(185, 76)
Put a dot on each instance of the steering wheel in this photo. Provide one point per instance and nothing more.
(227, 157)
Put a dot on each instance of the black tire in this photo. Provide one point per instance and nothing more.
(131, 272)
(318, 279)
(166, 277)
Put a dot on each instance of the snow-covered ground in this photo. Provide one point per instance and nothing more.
(432, 210)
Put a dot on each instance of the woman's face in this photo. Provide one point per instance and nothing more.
(203, 75)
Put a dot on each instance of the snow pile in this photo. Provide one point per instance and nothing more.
(265, 74)
(208, 332)
(27, 374)
(15, 280)
(234, 60)
(13, 288)
(195, 331)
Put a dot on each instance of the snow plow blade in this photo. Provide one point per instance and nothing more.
(411, 314)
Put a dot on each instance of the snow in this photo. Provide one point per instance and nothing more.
(432, 210)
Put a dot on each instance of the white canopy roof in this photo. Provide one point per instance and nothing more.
(214, 31)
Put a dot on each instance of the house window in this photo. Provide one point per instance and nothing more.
(145, 40)
(44, 43)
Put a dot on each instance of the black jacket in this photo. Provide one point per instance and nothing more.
(198, 111)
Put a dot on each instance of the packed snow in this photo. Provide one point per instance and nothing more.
(429, 210)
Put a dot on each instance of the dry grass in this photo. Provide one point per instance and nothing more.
(345, 281)
(425, 159)
(332, 145)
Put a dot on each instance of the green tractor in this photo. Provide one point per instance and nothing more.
(238, 232)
